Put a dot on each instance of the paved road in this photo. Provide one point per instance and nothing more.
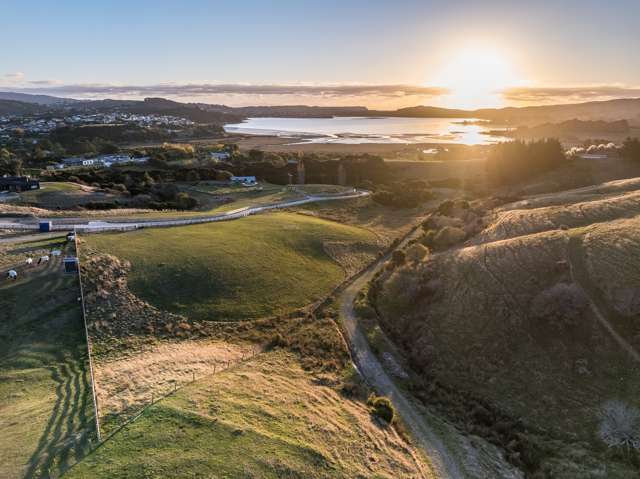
(122, 225)
(442, 464)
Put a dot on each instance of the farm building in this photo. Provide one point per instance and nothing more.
(18, 183)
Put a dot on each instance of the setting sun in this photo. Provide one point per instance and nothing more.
(475, 77)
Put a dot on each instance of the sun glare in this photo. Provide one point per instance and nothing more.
(475, 78)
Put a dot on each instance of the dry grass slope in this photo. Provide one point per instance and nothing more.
(537, 317)
(267, 418)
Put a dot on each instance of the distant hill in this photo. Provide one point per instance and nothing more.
(610, 110)
(38, 99)
(159, 106)
(291, 111)
(571, 128)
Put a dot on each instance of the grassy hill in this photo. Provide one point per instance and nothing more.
(531, 328)
(246, 422)
(258, 266)
(46, 411)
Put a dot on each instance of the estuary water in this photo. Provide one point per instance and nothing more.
(355, 130)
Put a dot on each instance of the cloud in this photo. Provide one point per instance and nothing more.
(192, 90)
(15, 77)
(569, 93)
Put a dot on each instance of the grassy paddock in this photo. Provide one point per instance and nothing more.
(46, 412)
(258, 266)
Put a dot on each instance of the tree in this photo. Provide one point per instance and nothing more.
(9, 163)
(516, 161)
(256, 155)
(398, 257)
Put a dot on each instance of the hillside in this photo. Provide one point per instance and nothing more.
(37, 99)
(224, 267)
(12, 107)
(534, 320)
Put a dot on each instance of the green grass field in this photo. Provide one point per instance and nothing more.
(46, 412)
(250, 268)
(245, 422)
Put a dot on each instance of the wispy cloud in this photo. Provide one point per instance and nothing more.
(15, 77)
(569, 93)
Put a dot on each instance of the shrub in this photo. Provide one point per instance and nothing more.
(620, 425)
(382, 407)
(416, 252)
(562, 305)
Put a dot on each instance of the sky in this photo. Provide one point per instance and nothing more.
(381, 54)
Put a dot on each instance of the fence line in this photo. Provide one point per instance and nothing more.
(176, 388)
(88, 339)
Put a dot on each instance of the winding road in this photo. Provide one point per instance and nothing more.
(441, 462)
(100, 226)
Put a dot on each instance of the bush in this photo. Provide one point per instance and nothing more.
(398, 257)
(382, 407)
(562, 305)
(620, 425)
(416, 252)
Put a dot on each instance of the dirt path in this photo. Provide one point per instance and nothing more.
(441, 462)
(599, 306)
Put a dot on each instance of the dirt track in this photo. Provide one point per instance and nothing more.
(441, 462)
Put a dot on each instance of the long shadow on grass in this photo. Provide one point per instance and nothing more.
(43, 444)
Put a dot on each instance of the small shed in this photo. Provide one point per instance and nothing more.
(70, 264)
(45, 226)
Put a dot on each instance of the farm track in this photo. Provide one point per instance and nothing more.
(441, 463)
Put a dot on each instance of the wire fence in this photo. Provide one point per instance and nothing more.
(154, 398)
(88, 339)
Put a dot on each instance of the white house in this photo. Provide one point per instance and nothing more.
(244, 180)
(220, 155)
(70, 162)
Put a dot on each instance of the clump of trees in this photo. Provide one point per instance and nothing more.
(516, 161)
(403, 194)
(631, 149)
